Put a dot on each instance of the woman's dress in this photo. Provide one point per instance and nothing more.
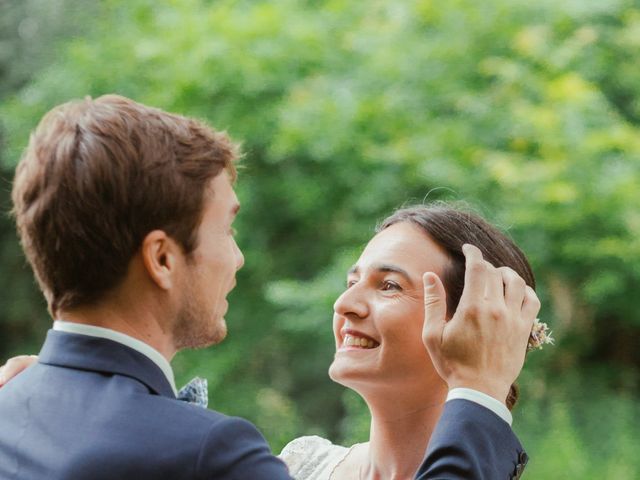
(313, 458)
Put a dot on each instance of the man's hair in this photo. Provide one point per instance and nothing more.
(451, 228)
(96, 178)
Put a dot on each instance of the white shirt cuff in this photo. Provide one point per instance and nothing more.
(483, 399)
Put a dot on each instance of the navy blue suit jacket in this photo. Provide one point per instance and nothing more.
(94, 409)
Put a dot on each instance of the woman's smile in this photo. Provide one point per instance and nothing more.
(355, 340)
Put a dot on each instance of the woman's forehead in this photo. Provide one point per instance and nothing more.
(404, 245)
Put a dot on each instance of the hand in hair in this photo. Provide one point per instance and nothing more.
(484, 343)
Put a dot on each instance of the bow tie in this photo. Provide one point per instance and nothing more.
(195, 392)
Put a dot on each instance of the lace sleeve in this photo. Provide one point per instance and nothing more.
(312, 458)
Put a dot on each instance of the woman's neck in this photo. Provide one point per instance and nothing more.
(400, 433)
(398, 441)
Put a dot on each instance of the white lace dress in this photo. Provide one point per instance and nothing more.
(312, 458)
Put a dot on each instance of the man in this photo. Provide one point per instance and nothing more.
(125, 213)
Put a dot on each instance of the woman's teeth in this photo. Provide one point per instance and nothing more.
(351, 341)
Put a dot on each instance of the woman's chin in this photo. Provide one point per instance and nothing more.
(339, 373)
(349, 375)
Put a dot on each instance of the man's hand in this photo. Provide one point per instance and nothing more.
(484, 344)
(14, 366)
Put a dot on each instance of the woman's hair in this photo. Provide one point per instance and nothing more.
(451, 228)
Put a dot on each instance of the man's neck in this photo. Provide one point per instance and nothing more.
(137, 323)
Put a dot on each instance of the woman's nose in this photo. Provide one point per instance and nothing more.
(352, 302)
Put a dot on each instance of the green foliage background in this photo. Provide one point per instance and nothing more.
(529, 111)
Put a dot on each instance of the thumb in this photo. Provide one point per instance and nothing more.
(435, 309)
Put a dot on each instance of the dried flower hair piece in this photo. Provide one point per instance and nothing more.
(540, 336)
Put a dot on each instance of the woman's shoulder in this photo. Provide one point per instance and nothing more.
(310, 443)
(312, 457)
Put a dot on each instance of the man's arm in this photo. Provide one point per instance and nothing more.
(471, 442)
(482, 347)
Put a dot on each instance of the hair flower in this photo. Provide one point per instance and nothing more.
(540, 335)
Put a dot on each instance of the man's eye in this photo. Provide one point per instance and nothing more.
(389, 285)
(350, 283)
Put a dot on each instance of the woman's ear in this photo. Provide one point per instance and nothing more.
(161, 257)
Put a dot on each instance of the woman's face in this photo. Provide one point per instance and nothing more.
(377, 321)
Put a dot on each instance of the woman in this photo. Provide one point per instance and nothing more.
(377, 326)
(380, 354)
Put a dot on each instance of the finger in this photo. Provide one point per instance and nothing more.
(530, 307)
(514, 289)
(494, 288)
(435, 310)
(475, 275)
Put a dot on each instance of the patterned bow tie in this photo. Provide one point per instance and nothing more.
(195, 392)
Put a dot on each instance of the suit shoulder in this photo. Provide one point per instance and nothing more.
(235, 445)
(215, 445)
(178, 407)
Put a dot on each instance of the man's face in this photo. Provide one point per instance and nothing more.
(210, 270)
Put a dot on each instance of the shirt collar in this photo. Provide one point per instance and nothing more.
(137, 345)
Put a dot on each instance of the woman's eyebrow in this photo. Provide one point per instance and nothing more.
(352, 270)
(388, 268)
(384, 268)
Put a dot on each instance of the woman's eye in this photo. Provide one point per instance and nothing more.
(389, 285)
(350, 283)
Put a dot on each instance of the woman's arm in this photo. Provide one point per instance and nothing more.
(14, 366)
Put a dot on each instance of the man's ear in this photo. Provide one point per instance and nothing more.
(161, 257)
